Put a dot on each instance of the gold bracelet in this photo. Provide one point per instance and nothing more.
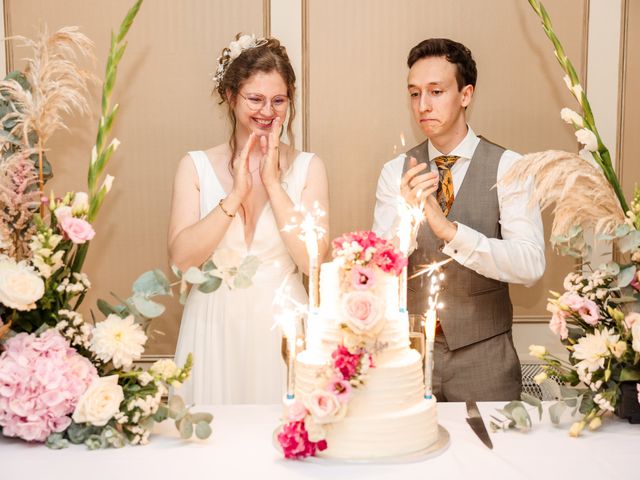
(224, 210)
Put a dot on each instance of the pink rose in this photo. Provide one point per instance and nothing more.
(296, 411)
(558, 324)
(325, 407)
(340, 387)
(362, 313)
(78, 230)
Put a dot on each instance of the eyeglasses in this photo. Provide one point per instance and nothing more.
(257, 102)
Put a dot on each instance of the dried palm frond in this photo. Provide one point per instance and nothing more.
(580, 193)
(58, 85)
(19, 199)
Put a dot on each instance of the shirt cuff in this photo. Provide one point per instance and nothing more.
(463, 244)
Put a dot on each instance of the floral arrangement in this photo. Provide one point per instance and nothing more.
(233, 51)
(594, 317)
(363, 258)
(64, 379)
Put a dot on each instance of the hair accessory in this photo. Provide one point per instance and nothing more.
(233, 51)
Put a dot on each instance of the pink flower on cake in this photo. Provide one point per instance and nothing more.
(325, 407)
(390, 260)
(340, 387)
(345, 362)
(295, 441)
(363, 278)
(78, 230)
(41, 380)
(296, 412)
(362, 313)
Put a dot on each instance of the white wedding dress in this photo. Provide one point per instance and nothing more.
(236, 352)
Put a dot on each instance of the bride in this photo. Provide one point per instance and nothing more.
(235, 198)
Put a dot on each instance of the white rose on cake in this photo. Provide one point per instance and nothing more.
(362, 312)
(325, 407)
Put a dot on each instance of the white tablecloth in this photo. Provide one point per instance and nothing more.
(241, 447)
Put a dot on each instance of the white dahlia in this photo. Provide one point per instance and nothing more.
(592, 349)
(119, 340)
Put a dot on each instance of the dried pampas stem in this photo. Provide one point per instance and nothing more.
(580, 193)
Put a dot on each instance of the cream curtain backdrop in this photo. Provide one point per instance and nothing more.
(350, 56)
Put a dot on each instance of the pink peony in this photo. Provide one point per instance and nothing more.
(78, 230)
(345, 362)
(363, 278)
(587, 309)
(296, 411)
(558, 324)
(390, 260)
(41, 379)
(295, 442)
(340, 387)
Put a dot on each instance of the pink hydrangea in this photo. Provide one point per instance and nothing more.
(295, 442)
(41, 380)
(346, 362)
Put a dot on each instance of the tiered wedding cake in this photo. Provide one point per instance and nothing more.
(358, 383)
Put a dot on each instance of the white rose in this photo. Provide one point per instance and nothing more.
(571, 117)
(325, 407)
(362, 313)
(537, 351)
(587, 138)
(234, 50)
(100, 402)
(20, 286)
(245, 41)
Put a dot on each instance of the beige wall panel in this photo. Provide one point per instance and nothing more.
(164, 88)
(630, 151)
(358, 105)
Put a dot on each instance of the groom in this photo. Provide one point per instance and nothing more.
(490, 233)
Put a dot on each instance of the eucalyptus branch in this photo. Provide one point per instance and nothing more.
(601, 155)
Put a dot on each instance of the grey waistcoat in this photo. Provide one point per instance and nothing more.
(475, 307)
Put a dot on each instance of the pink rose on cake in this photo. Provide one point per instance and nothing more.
(296, 412)
(325, 407)
(362, 313)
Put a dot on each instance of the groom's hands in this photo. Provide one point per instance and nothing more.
(417, 187)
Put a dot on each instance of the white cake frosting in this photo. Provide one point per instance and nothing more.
(388, 415)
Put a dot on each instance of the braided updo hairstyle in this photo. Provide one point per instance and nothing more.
(269, 56)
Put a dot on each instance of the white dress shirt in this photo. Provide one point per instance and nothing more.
(518, 257)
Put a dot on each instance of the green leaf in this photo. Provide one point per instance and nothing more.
(56, 441)
(176, 271)
(534, 401)
(161, 414)
(241, 281)
(208, 266)
(555, 411)
(522, 418)
(203, 430)
(194, 275)
(185, 427)
(629, 242)
(622, 230)
(106, 308)
(153, 282)
(630, 374)
(176, 403)
(202, 417)
(249, 266)
(146, 307)
(210, 285)
(625, 276)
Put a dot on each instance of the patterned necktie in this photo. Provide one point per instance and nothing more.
(445, 194)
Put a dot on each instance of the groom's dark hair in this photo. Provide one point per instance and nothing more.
(454, 52)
